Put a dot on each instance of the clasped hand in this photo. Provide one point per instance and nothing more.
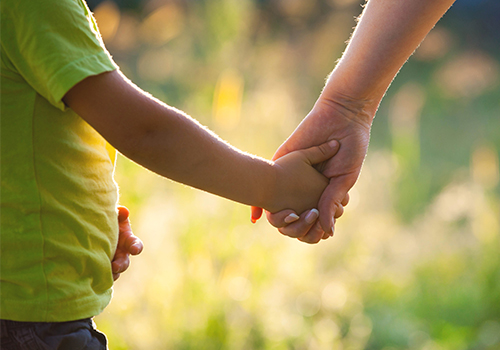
(329, 120)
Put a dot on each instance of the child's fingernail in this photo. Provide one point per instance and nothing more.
(291, 218)
(312, 216)
(135, 248)
(115, 268)
(332, 229)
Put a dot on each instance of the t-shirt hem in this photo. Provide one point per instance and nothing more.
(27, 311)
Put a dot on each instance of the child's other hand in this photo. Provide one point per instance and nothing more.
(128, 244)
(298, 184)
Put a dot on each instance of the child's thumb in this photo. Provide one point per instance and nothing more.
(256, 214)
(123, 213)
(325, 151)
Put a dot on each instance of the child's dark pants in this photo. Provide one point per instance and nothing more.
(74, 335)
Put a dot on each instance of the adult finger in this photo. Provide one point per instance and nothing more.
(346, 199)
(339, 212)
(331, 200)
(314, 235)
(302, 226)
(282, 218)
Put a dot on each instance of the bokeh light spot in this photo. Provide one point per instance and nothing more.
(308, 304)
(485, 166)
(107, 16)
(334, 296)
(437, 44)
(227, 99)
(239, 288)
(468, 75)
(162, 25)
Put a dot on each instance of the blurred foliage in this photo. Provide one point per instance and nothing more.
(415, 262)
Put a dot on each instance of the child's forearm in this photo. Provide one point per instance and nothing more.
(169, 142)
(181, 149)
(387, 34)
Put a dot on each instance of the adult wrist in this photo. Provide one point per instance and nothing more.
(346, 86)
(356, 109)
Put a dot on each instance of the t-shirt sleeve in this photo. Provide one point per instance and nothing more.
(53, 44)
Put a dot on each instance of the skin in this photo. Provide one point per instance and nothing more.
(128, 244)
(172, 144)
(387, 34)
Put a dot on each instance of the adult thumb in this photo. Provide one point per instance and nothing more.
(325, 151)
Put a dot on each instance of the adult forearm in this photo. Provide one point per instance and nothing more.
(387, 34)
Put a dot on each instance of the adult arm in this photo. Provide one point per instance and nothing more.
(387, 34)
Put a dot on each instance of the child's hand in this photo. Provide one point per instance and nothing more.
(128, 244)
(298, 184)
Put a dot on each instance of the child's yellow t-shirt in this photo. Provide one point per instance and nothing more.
(58, 199)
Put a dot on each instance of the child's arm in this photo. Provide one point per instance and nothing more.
(174, 145)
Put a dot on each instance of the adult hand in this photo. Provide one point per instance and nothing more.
(349, 101)
(128, 244)
(348, 122)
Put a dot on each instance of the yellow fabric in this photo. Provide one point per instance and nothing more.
(58, 199)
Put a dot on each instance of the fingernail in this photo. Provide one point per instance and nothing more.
(333, 227)
(115, 268)
(291, 218)
(332, 143)
(312, 216)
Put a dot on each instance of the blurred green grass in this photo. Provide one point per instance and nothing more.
(415, 261)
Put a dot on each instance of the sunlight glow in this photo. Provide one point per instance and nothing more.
(107, 15)
(485, 166)
(468, 75)
(162, 25)
(437, 44)
(227, 99)
(334, 296)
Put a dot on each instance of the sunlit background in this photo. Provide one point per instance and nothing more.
(415, 261)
